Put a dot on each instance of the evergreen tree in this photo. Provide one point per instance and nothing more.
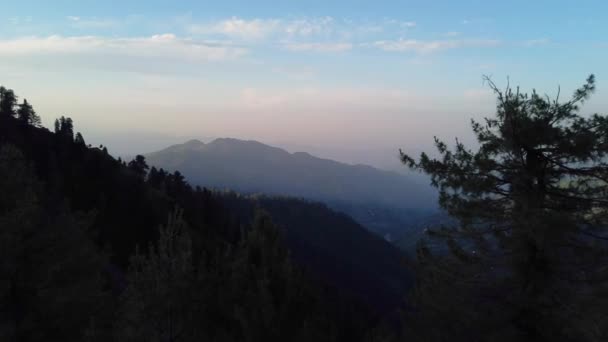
(50, 271)
(57, 126)
(527, 260)
(27, 115)
(273, 301)
(139, 166)
(79, 139)
(64, 127)
(8, 102)
(160, 302)
(67, 128)
(258, 271)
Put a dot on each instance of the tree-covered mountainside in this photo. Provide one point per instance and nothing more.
(394, 224)
(392, 205)
(252, 167)
(81, 243)
(335, 247)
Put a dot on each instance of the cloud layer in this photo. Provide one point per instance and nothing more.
(235, 37)
(156, 46)
(429, 46)
(257, 29)
(319, 47)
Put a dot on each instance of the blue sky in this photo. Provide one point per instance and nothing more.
(321, 75)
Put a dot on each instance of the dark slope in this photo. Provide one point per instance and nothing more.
(127, 210)
(337, 248)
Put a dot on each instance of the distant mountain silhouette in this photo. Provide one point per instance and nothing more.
(251, 167)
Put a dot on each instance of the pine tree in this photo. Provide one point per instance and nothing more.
(527, 260)
(273, 300)
(8, 102)
(50, 271)
(258, 285)
(139, 166)
(27, 115)
(64, 127)
(160, 301)
(57, 126)
(67, 127)
(79, 139)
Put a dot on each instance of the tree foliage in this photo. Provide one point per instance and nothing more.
(27, 115)
(64, 127)
(161, 297)
(50, 270)
(139, 166)
(8, 102)
(529, 252)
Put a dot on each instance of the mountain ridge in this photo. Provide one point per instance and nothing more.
(251, 166)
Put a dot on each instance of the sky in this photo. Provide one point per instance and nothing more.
(350, 80)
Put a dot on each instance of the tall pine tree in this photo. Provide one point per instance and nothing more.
(50, 270)
(160, 302)
(528, 257)
(27, 115)
(8, 102)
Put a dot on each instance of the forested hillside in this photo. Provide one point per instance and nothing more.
(336, 248)
(81, 243)
(392, 205)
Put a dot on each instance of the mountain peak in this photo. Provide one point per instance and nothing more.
(234, 141)
(246, 146)
(194, 143)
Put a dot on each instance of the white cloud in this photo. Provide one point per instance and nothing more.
(319, 47)
(309, 27)
(239, 28)
(429, 46)
(157, 46)
(297, 28)
(255, 29)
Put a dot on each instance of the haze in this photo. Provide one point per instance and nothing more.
(348, 80)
